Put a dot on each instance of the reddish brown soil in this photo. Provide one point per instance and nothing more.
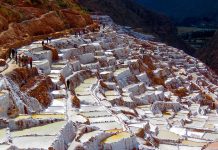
(21, 21)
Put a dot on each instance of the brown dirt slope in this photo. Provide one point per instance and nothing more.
(21, 21)
(35, 85)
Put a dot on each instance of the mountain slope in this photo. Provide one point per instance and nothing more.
(23, 21)
(181, 9)
(192, 12)
(210, 55)
(128, 12)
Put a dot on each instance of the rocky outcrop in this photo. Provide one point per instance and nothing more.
(53, 50)
(31, 83)
(16, 101)
(21, 75)
(75, 19)
(75, 102)
(39, 88)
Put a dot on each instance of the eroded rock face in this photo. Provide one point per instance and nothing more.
(53, 50)
(34, 85)
(21, 75)
(75, 102)
(42, 91)
(3, 24)
(50, 22)
(18, 102)
(75, 19)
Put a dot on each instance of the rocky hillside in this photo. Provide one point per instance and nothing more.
(210, 55)
(22, 21)
(128, 12)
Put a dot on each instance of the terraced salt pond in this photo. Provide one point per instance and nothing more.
(21, 117)
(40, 142)
(177, 147)
(107, 125)
(5, 146)
(57, 106)
(96, 114)
(102, 119)
(3, 136)
(40, 116)
(91, 108)
(58, 66)
(48, 116)
(167, 135)
(193, 143)
(83, 91)
(55, 71)
(87, 136)
(112, 95)
(54, 77)
(87, 99)
(117, 137)
(49, 129)
(38, 137)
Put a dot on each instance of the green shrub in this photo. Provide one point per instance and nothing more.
(5, 12)
(62, 3)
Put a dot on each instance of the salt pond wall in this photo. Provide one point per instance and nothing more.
(66, 135)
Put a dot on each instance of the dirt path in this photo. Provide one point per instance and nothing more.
(11, 66)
